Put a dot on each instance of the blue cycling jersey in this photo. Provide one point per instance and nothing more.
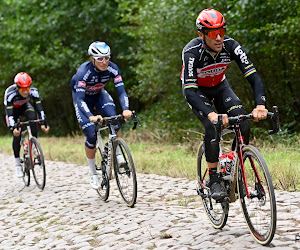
(88, 81)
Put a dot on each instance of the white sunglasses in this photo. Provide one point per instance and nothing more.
(102, 59)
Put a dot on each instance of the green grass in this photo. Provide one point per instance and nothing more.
(155, 156)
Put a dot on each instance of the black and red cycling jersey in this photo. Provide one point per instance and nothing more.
(13, 100)
(204, 70)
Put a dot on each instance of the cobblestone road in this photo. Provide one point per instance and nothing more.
(168, 215)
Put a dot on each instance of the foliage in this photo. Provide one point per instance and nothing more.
(49, 38)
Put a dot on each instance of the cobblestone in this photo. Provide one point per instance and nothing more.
(168, 214)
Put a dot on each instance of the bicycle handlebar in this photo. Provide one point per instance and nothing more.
(273, 115)
(238, 119)
(39, 121)
(136, 121)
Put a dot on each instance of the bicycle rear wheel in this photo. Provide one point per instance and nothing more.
(217, 212)
(260, 208)
(38, 163)
(125, 173)
(103, 191)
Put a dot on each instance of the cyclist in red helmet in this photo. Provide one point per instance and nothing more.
(16, 102)
(205, 60)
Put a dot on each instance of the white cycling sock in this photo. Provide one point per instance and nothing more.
(91, 163)
(17, 161)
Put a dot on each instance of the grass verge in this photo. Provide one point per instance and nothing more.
(176, 160)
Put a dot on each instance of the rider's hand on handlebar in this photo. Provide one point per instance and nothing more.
(45, 129)
(213, 117)
(95, 118)
(127, 114)
(16, 132)
(259, 113)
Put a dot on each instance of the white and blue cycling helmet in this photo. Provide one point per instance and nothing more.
(99, 49)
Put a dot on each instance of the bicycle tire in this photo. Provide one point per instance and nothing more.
(26, 172)
(260, 209)
(125, 174)
(103, 191)
(37, 163)
(217, 213)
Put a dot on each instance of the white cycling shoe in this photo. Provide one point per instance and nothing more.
(94, 181)
(19, 171)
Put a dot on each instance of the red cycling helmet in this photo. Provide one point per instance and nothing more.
(23, 80)
(210, 19)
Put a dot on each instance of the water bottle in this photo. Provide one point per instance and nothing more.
(25, 145)
(230, 167)
(222, 163)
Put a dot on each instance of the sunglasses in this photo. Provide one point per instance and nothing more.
(214, 33)
(102, 59)
(23, 89)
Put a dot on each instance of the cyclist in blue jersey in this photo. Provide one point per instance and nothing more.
(17, 99)
(205, 60)
(88, 93)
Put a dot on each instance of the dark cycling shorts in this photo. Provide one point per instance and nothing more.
(225, 102)
(28, 112)
(104, 104)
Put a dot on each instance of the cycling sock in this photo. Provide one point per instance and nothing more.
(17, 161)
(91, 163)
(213, 175)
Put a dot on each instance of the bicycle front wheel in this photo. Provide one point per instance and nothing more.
(217, 212)
(38, 163)
(260, 208)
(26, 172)
(103, 191)
(125, 172)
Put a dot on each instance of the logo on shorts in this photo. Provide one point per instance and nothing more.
(228, 99)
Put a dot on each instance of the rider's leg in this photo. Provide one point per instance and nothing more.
(211, 150)
(16, 143)
(90, 144)
(30, 115)
(106, 106)
(229, 103)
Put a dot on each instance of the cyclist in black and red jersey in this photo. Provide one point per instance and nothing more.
(205, 60)
(17, 103)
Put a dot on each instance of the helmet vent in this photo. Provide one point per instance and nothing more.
(208, 23)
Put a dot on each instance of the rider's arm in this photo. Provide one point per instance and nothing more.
(34, 95)
(79, 95)
(249, 71)
(9, 108)
(190, 86)
(119, 85)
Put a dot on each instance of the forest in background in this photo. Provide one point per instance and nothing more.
(48, 39)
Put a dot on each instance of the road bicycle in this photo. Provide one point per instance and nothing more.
(248, 180)
(106, 160)
(31, 155)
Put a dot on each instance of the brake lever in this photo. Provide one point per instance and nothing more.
(218, 125)
(136, 120)
(276, 123)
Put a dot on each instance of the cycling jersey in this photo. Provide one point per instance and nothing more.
(201, 69)
(88, 81)
(14, 101)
